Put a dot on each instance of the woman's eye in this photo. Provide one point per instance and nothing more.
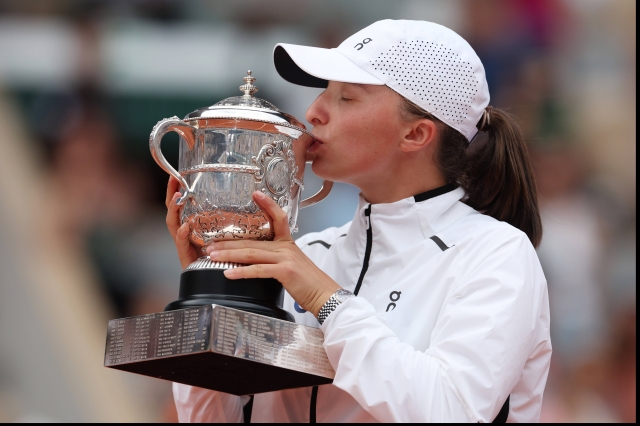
(345, 99)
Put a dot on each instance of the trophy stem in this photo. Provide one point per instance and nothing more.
(204, 283)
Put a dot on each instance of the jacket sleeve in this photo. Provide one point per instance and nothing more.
(197, 405)
(483, 337)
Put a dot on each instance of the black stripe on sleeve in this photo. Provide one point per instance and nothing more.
(327, 245)
(440, 243)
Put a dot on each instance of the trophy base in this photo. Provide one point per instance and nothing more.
(231, 302)
(219, 348)
(209, 286)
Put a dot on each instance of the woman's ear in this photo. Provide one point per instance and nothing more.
(420, 134)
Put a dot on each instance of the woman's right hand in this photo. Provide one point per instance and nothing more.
(187, 252)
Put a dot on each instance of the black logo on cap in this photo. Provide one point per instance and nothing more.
(361, 45)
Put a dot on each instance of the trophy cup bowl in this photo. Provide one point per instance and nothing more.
(228, 335)
(237, 146)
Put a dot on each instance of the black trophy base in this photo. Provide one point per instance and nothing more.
(201, 287)
(223, 373)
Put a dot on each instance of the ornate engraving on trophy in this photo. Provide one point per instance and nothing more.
(234, 168)
(250, 225)
(229, 150)
(223, 209)
(277, 169)
(277, 176)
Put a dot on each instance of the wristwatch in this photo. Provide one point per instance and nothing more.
(334, 301)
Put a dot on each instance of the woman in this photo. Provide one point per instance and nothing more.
(432, 301)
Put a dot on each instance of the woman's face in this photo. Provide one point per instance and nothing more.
(358, 130)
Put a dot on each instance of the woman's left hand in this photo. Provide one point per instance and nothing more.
(280, 259)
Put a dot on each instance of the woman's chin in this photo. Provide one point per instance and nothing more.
(325, 170)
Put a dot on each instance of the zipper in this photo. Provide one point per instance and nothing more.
(312, 404)
(248, 409)
(367, 251)
(365, 266)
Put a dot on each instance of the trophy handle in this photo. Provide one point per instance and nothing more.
(173, 124)
(320, 195)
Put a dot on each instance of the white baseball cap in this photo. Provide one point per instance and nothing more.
(427, 63)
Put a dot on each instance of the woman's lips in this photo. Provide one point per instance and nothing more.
(315, 145)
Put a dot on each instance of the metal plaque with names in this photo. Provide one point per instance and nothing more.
(219, 348)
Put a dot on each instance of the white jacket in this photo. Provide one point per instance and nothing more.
(451, 318)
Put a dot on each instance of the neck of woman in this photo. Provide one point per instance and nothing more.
(398, 183)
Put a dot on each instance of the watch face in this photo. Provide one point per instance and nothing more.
(343, 295)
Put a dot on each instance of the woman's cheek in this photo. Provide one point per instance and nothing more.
(338, 165)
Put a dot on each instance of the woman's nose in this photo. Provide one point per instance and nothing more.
(317, 113)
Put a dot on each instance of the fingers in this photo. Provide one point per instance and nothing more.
(173, 215)
(172, 187)
(247, 244)
(252, 271)
(250, 256)
(187, 253)
(278, 216)
(183, 245)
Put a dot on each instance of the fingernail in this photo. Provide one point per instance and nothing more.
(260, 195)
(214, 255)
(230, 273)
(209, 249)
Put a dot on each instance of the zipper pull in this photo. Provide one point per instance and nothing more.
(367, 215)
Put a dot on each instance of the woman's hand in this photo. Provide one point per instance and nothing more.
(187, 252)
(280, 259)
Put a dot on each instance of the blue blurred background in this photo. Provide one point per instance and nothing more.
(82, 234)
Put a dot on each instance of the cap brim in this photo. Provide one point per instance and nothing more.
(315, 67)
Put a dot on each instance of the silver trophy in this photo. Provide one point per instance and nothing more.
(228, 335)
(227, 151)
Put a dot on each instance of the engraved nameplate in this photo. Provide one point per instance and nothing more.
(219, 348)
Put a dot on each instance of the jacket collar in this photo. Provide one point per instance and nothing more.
(424, 196)
(404, 223)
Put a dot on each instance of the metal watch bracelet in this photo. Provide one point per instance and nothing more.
(332, 304)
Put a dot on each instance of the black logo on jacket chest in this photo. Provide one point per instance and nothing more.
(394, 297)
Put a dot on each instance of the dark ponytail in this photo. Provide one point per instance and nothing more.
(495, 170)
